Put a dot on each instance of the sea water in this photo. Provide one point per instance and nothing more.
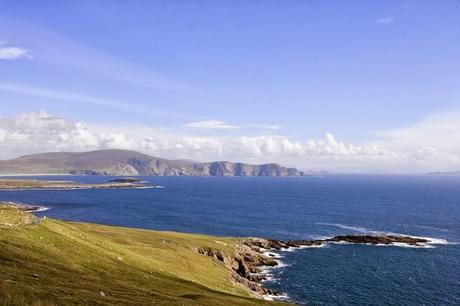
(300, 208)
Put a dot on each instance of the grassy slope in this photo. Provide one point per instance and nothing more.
(57, 262)
(43, 184)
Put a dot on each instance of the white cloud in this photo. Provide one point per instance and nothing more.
(386, 20)
(273, 127)
(11, 52)
(211, 125)
(83, 98)
(39, 132)
(439, 130)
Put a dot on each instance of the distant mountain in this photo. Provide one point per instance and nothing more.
(445, 173)
(131, 163)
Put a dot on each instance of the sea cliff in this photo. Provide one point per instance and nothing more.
(131, 163)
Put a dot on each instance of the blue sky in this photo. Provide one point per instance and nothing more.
(359, 70)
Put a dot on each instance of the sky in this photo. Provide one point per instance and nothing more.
(342, 86)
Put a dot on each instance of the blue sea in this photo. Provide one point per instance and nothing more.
(300, 208)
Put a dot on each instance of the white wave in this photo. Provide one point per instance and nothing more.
(313, 246)
(272, 254)
(142, 187)
(289, 249)
(348, 227)
(405, 245)
(280, 265)
(29, 207)
(394, 244)
(434, 228)
(269, 279)
(268, 297)
(431, 240)
(160, 187)
(42, 209)
(265, 270)
(342, 242)
(271, 297)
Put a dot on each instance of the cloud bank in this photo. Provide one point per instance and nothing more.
(38, 132)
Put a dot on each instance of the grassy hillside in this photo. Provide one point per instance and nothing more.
(51, 262)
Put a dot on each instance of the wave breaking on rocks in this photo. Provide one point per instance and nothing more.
(253, 258)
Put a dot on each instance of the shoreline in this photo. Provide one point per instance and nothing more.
(34, 184)
(25, 207)
(137, 265)
(253, 259)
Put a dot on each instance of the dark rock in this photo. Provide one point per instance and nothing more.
(125, 180)
(379, 239)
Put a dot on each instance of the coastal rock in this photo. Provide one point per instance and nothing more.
(125, 180)
(379, 239)
(244, 266)
(249, 256)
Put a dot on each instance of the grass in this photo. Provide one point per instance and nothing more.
(43, 184)
(67, 263)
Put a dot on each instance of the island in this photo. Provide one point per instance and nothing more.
(109, 265)
(32, 184)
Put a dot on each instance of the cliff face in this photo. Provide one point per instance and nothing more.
(223, 168)
(130, 163)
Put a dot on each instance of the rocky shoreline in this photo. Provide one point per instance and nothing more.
(249, 259)
(251, 256)
(24, 207)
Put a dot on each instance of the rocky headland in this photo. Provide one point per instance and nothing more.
(252, 255)
(243, 260)
(131, 163)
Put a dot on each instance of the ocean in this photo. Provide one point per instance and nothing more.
(299, 208)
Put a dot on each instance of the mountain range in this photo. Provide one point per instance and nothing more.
(445, 173)
(132, 163)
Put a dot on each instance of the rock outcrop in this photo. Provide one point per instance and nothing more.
(245, 265)
(248, 258)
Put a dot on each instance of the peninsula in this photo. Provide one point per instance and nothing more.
(27, 184)
(131, 163)
(108, 265)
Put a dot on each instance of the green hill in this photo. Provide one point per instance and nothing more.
(51, 262)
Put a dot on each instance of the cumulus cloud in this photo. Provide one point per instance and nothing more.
(386, 20)
(211, 125)
(11, 52)
(39, 132)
